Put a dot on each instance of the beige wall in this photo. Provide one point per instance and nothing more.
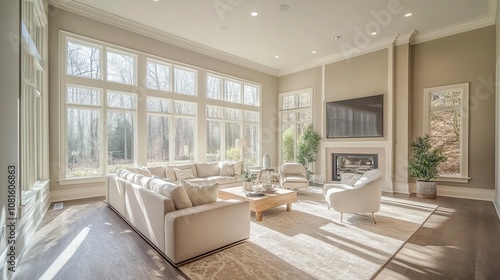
(63, 20)
(359, 76)
(465, 57)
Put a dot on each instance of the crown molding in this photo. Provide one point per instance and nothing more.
(120, 22)
(339, 56)
(456, 29)
(407, 38)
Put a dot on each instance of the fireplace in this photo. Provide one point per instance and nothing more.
(352, 163)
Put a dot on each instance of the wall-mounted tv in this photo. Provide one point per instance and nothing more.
(355, 118)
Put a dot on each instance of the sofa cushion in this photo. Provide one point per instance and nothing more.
(143, 170)
(349, 178)
(227, 169)
(200, 194)
(221, 180)
(207, 169)
(157, 171)
(146, 182)
(173, 191)
(170, 171)
(183, 174)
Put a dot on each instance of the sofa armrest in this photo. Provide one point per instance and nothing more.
(146, 210)
(194, 231)
(115, 195)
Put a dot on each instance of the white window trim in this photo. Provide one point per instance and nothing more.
(463, 177)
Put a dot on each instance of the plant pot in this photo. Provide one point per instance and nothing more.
(426, 189)
(248, 186)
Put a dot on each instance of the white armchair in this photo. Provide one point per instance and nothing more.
(293, 176)
(361, 197)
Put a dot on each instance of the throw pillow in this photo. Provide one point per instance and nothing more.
(227, 169)
(143, 170)
(353, 179)
(183, 174)
(175, 192)
(200, 194)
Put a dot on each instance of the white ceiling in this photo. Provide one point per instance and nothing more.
(293, 34)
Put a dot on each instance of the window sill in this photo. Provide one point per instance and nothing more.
(78, 181)
(453, 179)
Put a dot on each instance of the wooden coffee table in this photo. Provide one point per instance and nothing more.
(261, 203)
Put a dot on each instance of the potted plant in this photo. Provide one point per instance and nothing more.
(248, 177)
(423, 165)
(308, 147)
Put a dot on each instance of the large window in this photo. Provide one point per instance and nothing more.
(224, 126)
(100, 122)
(295, 115)
(447, 124)
(232, 90)
(126, 108)
(34, 100)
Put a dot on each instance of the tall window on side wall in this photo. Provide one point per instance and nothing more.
(33, 99)
(295, 114)
(446, 121)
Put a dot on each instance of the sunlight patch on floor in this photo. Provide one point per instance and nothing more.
(66, 255)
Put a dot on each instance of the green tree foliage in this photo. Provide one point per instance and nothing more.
(233, 153)
(288, 149)
(425, 160)
(308, 146)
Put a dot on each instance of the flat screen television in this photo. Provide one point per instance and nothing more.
(355, 118)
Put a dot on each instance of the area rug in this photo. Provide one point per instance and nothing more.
(311, 243)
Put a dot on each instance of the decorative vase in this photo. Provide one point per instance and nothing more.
(426, 189)
(247, 186)
(267, 161)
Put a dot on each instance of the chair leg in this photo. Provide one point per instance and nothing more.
(341, 217)
(374, 219)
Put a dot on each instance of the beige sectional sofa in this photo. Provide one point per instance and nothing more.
(226, 174)
(162, 213)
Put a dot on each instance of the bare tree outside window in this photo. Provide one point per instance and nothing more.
(214, 87)
(232, 91)
(83, 134)
(158, 76)
(250, 95)
(120, 68)
(184, 81)
(83, 60)
(445, 118)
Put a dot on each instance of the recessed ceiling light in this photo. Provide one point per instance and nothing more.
(313, 52)
(337, 37)
(284, 7)
(409, 14)
(276, 56)
(224, 28)
(374, 33)
(254, 14)
(156, 0)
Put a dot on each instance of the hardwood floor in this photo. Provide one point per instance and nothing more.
(87, 240)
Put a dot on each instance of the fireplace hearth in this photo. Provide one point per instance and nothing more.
(352, 163)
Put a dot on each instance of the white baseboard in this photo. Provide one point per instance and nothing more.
(77, 193)
(458, 192)
(496, 203)
(478, 194)
(401, 188)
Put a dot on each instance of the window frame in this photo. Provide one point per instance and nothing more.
(463, 177)
(295, 110)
